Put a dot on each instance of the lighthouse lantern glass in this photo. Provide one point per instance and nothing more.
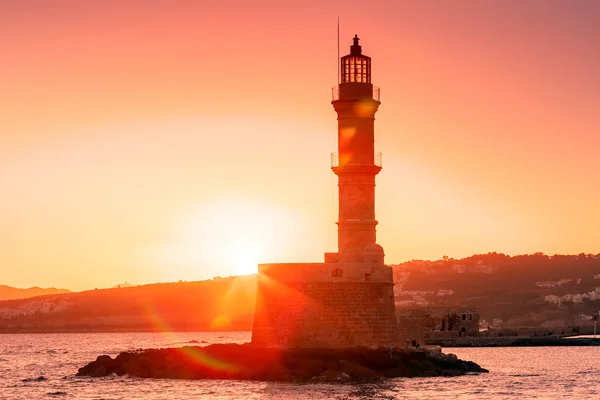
(356, 69)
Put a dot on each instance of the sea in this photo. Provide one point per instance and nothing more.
(43, 366)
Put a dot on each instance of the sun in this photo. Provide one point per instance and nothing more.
(227, 237)
(246, 267)
(244, 256)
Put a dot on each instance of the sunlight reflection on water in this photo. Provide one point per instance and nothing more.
(520, 372)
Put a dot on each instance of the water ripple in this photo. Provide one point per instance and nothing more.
(526, 373)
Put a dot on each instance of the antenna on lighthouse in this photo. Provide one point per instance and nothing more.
(338, 50)
(335, 139)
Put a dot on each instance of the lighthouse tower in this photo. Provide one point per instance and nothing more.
(356, 101)
(347, 300)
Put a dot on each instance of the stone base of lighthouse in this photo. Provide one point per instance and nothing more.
(326, 305)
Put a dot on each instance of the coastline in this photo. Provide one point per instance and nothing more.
(507, 341)
(513, 341)
(40, 330)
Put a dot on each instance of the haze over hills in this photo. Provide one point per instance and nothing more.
(217, 304)
(10, 293)
(520, 291)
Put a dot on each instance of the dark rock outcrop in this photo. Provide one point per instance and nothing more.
(38, 379)
(248, 362)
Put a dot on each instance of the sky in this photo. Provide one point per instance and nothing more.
(147, 141)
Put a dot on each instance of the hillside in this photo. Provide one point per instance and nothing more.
(218, 304)
(10, 293)
(521, 291)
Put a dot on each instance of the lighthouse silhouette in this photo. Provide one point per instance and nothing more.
(356, 162)
(347, 300)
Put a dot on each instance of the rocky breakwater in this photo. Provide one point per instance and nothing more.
(247, 362)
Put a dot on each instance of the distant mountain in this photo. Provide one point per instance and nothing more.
(520, 291)
(533, 290)
(10, 293)
(218, 304)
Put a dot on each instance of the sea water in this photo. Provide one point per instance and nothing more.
(43, 366)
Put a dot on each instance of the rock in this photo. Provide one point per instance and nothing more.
(452, 372)
(332, 364)
(131, 367)
(473, 367)
(292, 363)
(413, 355)
(103, 366)
(104, 359)
(248, 362)
(358, 372)
(100, 372)
(310, 368)
(423, 368)
(450, 362)
(257, 373)
(277, 372)
(331, 375)
(397, 372)
(38, 379)
(428, 373)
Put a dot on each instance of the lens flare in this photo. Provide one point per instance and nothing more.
(365, 108)
(346, 136)
(302, 310)
(221, 322)
(198, 357)
(345, 158)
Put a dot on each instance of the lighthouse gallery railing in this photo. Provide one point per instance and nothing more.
(335, 93)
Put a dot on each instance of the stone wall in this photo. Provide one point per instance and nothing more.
(311, 305)
(416, 324)
(326, 272)
(411, 331)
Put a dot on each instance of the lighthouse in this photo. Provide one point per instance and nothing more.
(347, 300)
(356, 164)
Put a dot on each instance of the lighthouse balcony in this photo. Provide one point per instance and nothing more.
(351, 92)
(336, 162)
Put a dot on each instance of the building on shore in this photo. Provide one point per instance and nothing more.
(418, 324)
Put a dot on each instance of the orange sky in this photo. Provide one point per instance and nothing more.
(166, 140)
